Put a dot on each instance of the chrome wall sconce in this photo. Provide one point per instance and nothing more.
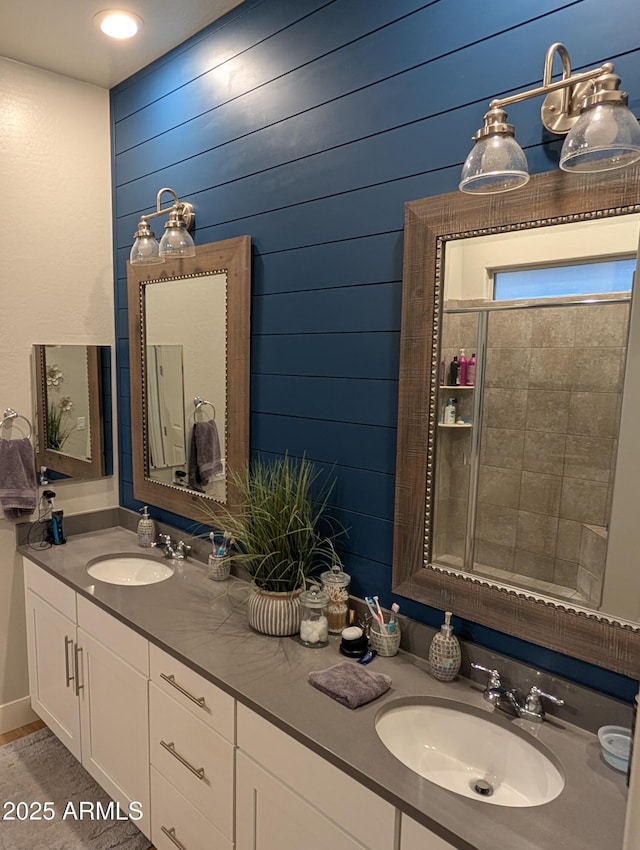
(601, 132)
(175, 242)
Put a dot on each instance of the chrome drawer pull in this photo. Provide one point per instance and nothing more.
(76, 666)
(171, 835)
(170, 747)
(171, 679)
(67, 673)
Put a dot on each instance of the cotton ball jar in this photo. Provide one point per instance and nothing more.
(314, 623)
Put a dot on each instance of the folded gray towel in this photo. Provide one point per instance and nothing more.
(350, 684)
(204, 454)
(18, 491)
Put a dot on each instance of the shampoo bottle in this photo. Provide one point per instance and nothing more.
(444, 652)
(146, 528)
(453, 372)
(471, 371)
(462, 371)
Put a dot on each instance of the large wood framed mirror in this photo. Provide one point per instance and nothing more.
(500, 509)
(189, 332)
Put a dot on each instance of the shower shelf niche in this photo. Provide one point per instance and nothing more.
(459, 427)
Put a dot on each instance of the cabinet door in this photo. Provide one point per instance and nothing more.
(271, 816)
(52, 678)
(115, 726)
(414, 836)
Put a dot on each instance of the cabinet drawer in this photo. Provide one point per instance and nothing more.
(358, 811)
(122, 640)
(204, 700)
(193, 757)
(48, 587)
(171, 813)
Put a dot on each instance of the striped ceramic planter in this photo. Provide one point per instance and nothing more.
(273, 613)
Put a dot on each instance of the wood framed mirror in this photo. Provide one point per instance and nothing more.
(432, 226)
(69, 409)
(189, 337)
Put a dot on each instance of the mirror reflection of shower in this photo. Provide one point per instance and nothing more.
(525, 461)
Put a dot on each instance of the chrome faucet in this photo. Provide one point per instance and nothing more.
(507, 700)
(176, 551)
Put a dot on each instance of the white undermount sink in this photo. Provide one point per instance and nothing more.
(465, 750)
(129, 569)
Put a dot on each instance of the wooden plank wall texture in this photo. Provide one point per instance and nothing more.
(307, 124)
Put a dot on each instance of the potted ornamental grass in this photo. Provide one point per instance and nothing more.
(281, 537)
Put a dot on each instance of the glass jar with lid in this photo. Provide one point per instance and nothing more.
(335, 584)
(314, 625)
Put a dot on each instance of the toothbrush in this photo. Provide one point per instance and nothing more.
(391, 628)
(379, 610)
(222, 549)
(374, 613)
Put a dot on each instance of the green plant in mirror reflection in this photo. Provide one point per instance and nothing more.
(58, 428)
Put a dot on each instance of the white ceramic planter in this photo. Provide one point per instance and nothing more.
(273, 613)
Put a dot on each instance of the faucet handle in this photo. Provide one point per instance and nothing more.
(183, 547)
(163, 540)
(534, 698)
(533, 708)
(494, 675)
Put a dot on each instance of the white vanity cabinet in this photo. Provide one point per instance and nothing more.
(192, 743)
(53, 656)
(287, 796)
(414, 836)
(88, 680)
(113, 707)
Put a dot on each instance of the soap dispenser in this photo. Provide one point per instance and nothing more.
(146, 528)
(444, 652)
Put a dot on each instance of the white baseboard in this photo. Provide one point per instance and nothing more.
(16, 714)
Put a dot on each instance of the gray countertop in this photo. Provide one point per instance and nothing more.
(203, 624)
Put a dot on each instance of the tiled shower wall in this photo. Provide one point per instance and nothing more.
(551, 409)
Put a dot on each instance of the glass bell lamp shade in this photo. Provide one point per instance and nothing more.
(606, 136)
(496, 164)
(145, 250)
(176, 240)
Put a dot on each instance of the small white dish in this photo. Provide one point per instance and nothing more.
(616, 745)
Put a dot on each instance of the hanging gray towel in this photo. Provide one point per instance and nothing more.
(18, 491)
(204, 454)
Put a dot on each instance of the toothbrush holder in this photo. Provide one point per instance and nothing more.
(384, 642)
(219, 567)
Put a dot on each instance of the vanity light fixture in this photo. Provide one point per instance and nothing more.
(601, 132)
(116, 23)
(175, 242)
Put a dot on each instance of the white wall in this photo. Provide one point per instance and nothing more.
(54, 183)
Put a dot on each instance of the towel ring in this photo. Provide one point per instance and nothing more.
(200, 403)
(10, 414)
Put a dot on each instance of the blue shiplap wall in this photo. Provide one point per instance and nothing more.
(308, 124)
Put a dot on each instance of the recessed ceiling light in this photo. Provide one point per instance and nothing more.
(117, 23)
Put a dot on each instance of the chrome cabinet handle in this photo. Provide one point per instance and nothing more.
(76, 667)
(170, 748)
(67, 673)
(171, 679)
(171, 835)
